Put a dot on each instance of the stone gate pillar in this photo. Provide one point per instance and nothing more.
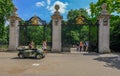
(56, 30)
(104, 33)
(13, 31)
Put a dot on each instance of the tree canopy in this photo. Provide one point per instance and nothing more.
(6, 7)
(72, 32)
(72, 14)
(112, 7)
(115, 33)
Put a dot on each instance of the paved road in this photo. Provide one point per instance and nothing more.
(61, 64)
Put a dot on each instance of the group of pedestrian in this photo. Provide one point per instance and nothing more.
(83, 46)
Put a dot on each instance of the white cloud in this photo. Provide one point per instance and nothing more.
(62, 7)
(48, 2)
(7, 23)
(88, 10)
(115, 13)
(40, 4)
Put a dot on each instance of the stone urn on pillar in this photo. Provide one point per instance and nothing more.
(56, 30)
(14, 30)
(104, 26)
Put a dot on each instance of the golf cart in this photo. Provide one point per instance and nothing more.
(35, 53)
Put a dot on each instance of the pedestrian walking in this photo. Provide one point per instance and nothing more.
(44, 46)
(81, 46)
(87, 45)
(84, 46)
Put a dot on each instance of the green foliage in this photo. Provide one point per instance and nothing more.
(31, 33)
(112, 6)
(72, 14)
(35, 34)
(84, 33)
(6, 7)
(72, 32)
(93, 33)
(5, 38)
(115, 33)
(48, 33)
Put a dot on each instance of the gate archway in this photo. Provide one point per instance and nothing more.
(31, 30)
(86, 31)
(103, 39)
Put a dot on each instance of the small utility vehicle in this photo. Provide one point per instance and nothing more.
(28, 53)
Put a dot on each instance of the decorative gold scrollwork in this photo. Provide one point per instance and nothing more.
(35, 21)
(79, 20)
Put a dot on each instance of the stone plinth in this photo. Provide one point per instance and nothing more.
(56, 31)
(14, 31)
(104, 27)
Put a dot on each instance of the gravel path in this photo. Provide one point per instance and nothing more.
(61, 64)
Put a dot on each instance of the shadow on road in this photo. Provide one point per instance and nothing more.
(15, 58)
(113, 62)
(30, 58)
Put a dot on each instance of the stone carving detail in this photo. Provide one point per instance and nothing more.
(14, 12)
(56, 14)
(104, 11)
(104, 6)
(14, 17)
(105, 21)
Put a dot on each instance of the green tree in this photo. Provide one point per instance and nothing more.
(31, 33)
(112, 6)
(6, 7)
(73, 32)
(72, 14)
(115, 33)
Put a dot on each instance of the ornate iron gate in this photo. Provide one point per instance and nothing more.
(71, 37)
(25, 26)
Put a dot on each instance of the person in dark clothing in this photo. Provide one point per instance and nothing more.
(84, 46)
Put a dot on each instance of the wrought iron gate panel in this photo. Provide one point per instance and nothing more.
(92, 34)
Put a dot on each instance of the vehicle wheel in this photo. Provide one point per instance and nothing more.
(21, 56)
(38, 56)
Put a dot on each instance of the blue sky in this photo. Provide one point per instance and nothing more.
(45, 8)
